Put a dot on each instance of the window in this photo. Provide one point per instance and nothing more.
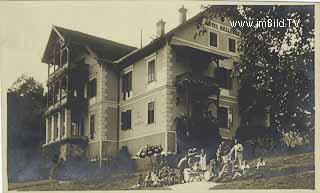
(64, 57)
(151, 70)
(223, 117)
(223, 77)
(92, 126)
(126, 120)
(150, 112)
(213, 39)
(232, 45)
(126, 84)
(92, 88)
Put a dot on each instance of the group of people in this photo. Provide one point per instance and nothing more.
(230, 162)
(194, 166)
(162, 177)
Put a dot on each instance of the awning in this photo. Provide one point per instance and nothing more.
(194, 47)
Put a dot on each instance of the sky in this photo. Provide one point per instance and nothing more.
(25, 28)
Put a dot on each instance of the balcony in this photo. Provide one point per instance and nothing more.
(57, 74)
(67, 99)
(196, 84)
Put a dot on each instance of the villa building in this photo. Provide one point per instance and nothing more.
(105, 96)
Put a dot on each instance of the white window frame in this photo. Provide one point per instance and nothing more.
(147, 60)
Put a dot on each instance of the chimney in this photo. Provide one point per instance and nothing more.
(160, 28)
(182, 15)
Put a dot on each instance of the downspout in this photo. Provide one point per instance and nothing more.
(118, 126)
(100, 160)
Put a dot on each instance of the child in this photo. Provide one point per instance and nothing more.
(245, 167)
(173, 177)
(148, 180)
(240, 170)
(261, 164)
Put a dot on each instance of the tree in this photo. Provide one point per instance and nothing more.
(276, 63)
(26, 133)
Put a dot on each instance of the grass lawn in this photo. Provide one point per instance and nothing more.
(294, 181)
(284, 172)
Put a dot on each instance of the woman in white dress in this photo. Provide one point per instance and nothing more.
(202, 163)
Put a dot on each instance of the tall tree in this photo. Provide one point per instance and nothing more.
(26, 132)
(276, 63)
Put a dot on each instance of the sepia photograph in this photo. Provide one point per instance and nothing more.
(179, 96)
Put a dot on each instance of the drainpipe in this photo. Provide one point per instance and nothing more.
(100, 164)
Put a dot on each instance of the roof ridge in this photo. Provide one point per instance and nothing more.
(90, 35)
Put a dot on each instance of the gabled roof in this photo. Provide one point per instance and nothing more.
(157, 43)
(105, 49)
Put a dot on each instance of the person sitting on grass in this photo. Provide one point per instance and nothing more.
(226, 169)
(215, 169)
(261, 164)
(195, 172)
(167, 175)
(242, 170)
(172, 177)
(155, 178)
(161, 178)
(148, 180)
(260, 167)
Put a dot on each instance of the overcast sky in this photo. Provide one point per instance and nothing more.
(25, 28)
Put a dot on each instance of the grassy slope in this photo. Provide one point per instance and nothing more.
(296, 171)
(289, 172)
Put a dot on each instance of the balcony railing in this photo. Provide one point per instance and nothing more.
(196, 83)
(57, 73)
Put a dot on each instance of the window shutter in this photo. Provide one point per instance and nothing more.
(149, 72)
(230, 117)
(129, 119)
(232, 45)
(129, 81)
(213, 39)
(123, 88)
(94, 87)
(123, 120)
(229, 79)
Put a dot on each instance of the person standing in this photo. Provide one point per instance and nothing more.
(183, 164)
(238, 152)
(202, 163)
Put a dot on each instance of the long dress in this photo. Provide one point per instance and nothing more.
(203, 162)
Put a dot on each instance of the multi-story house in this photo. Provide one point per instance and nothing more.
(104, 96)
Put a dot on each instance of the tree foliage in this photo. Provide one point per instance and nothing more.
(26, 128)
(276, 63)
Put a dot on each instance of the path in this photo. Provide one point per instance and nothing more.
(194, 186)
